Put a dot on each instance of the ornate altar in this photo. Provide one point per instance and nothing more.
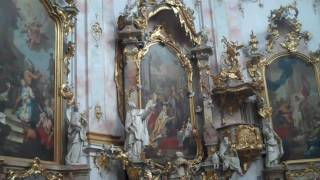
(162, 84)
(289, 77)
(37, 47)
(36, 51)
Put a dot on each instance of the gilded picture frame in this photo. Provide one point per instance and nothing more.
(160, 38)
(269, 110)
(286, 76)
(62, 22)
(143, 39)
(293, 110)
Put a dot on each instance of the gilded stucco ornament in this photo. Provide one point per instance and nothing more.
(35, 171)
(286, 15)
(68, 15)
(102, 161)
(312, 170)
(253, 43)
(231, 62)
(69, 54)
(140, 12)
(265, 112)
(249, 144)
(65, 91)
(292, 41)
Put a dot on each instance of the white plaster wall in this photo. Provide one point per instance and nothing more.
(95, 65)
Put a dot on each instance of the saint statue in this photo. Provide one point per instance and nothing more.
(215, 160)
(273, 146)
(229, 156)
(137, 135)
(76, 137)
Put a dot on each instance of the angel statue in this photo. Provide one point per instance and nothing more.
(137, 135)
(76, 137)
(229, 156)
(273, 146)
(232, 51)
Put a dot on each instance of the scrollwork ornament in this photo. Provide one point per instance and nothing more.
(67, 15)
(142, 14)
(253, 43)
(249, 144)
(102, 161)
(231, 61)
(69, 54)
(292, 40)
(35, 170)
(66, 93)
(96, 32)
(265, 112)
(210, 175)
(311, 169)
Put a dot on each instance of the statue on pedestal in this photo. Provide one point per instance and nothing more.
(215, 160)
(76, 137)
(273, 146)
(137, 135)
(229, 156)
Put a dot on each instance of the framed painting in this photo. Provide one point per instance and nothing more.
(31, 44)
(160, 115)
(165, 83)
(292, 83)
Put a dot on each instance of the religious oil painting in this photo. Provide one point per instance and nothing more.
(27, 75)
(165, 87)
(294, 98)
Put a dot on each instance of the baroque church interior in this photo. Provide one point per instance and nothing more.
(160, 89)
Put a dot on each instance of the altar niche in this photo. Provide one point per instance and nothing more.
(31, 73)
(162, 83)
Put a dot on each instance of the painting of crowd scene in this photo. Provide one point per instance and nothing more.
(27, 41)
(164, 83)
(294, 97)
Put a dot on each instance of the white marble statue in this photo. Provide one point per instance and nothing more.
(76, 137)
(181, 165)
(137, 135)
(229, 156)
(273, 146)
(215, 160)
(3, 118)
